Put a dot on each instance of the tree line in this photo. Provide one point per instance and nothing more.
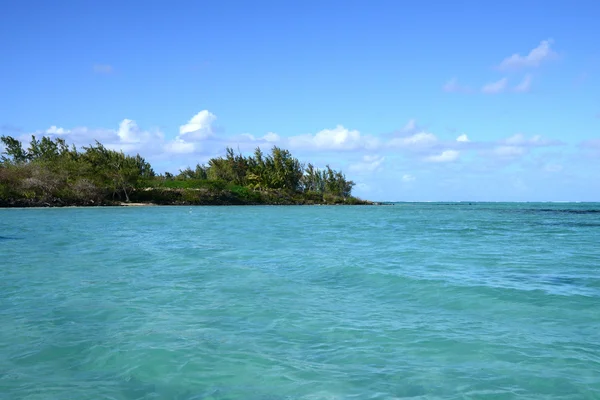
(49, 169)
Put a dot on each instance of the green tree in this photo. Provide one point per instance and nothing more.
(118, 172)
(13, 152)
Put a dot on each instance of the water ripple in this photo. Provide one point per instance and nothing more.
(419, 301)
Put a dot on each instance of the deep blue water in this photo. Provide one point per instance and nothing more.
(418, 301)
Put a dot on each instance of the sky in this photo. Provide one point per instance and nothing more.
(414, 101)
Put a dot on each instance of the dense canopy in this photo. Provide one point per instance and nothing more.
(51, 172)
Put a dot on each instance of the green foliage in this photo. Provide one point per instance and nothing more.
(13, 152)
(50, 171)
(186, 184)
(277, 170)
(199, 173)
(117, 172)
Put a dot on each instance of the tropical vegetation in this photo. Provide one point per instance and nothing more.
(50, 172)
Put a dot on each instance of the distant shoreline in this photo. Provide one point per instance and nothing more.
(50, 173)
(142, 205)
(223, 198)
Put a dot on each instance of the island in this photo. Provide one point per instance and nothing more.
(50, 173)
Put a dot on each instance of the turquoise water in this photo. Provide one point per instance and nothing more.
(419, 301)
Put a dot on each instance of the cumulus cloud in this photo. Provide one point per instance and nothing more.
(103, 68)
(130, 138)
(495, 87)
(518, 145)
(445, 156)
(524, 86)
(535, 58)
(269, 137)
(53, 130)
(199, 127)
(338, 138)
(196, 142)
(179, 146)
(79, 135)
(129, 132)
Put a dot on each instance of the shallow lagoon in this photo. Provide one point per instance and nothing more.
(428, 300)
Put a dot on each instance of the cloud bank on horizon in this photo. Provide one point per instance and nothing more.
(502, 123)
(363, 156)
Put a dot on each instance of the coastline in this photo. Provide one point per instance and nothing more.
(142, 205)
(49, 173)
(124, 204)
(190, 197)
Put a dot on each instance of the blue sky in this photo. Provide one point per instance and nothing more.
(415, 101)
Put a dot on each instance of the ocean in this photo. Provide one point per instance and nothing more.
(407, 301)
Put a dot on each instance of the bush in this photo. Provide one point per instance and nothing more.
(85, 190)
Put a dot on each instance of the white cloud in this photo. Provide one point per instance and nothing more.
(199, 127)
(524, 86)
(418, 139)
(271, 137)
(129, 136)
(541, 53)
(495, 87)
(408, 178)
(338, 138)
(53, 130)
(129, 132)
(411, 145)
(81, 135)
(179, 146)
(445, 156)
(103, 68)
(368, 164)
(519, 145)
